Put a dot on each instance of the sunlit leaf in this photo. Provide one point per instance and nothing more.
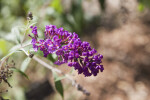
(56, 4)
(3, 47)
(144, 3)
(141, 7)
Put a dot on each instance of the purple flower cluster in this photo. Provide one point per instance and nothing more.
(69, 49)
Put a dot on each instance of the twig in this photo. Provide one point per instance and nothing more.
(74, 83)
(26, 45)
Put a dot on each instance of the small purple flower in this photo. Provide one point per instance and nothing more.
(70, 64)
(34, 30)
(59, 52)
(69, 49)
(35, 47)
(77, 55)
(56, 39)
(84, 53)
(59, 62)
(51, 49)
(33, 41)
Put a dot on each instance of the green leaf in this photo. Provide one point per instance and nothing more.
(3, 46)
(16, 32)
(59, 88)
(141, 7)
(9, 54)
(102, 3)
(14, 48)
(25, 64)
(58, 85)
(145, 3)
(22, 73)
(56, 4)
(12, 51)
(18, 39)
(51, 58)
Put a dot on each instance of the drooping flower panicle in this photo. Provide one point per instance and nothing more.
(69, 49)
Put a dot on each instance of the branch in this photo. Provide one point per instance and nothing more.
(74, 83)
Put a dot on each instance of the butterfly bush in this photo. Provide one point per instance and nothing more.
(69, 49)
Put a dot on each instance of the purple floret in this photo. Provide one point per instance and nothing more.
(69, 49)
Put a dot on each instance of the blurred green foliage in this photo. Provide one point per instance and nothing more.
(56, 4)
(143, 4)
(102, 3)
(3, 48)
(75, 18)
